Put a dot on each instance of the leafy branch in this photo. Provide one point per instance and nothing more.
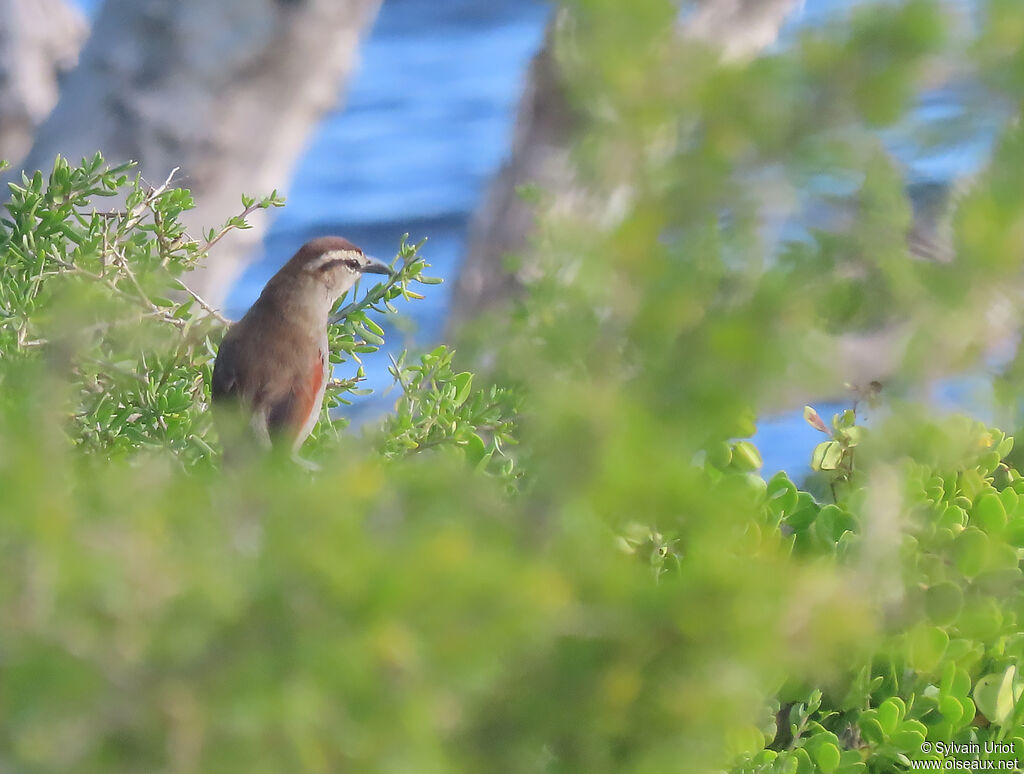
(109, 286)
(439, 408)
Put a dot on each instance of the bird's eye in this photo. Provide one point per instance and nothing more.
(348, 263)
(326, 263)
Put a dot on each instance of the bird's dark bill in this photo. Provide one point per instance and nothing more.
(373, 266)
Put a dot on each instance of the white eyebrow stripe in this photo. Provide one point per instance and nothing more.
(331, 257)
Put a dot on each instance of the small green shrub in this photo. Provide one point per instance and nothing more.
(944, 671)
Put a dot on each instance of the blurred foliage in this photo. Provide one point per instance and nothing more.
(620, 590)
(947, 576)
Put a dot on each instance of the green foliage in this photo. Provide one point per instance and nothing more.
(439, 408)
(621, 590)
(944, 672)
(92, 289)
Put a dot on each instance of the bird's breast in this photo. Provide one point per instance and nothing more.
(317, 386)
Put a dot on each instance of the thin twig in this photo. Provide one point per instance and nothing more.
(122, 261)
(138, 212)
(205, 306)
(398, 374)
(230, 227)
(344, 384)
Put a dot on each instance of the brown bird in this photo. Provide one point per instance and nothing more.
(273, 365)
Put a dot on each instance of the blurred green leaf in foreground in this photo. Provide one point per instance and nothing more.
(557, 554)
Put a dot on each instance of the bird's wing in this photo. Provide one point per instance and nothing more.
(224, 383)
(275, 381)
(232, 392)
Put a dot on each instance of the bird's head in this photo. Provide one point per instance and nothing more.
(327, 267)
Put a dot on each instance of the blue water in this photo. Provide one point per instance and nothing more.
(426, 122)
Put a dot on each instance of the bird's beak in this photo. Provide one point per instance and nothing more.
(373, 266)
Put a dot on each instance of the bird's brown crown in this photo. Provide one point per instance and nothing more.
(312, 254)
(321, 272)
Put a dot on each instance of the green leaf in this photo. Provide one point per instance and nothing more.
(927, 645)
(475, 450)
(943, 602)
(980, 619)
(951, 709)
(989, 513)
(970, 551)
(827, 757)
(907, 740)
(832, 523)
(719, 456)
(827, 456)
(746, 457)
(846, 420)
(953, 516)
(463, 384)
(993, 695)
(871, 729)
(1014, 534)
(955, 680)
(805, 511)
(781, 492)
(804, 764)
(890, 714)
(745, 740)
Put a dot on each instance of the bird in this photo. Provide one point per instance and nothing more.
(273, 365)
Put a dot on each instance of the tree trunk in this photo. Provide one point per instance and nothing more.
(503, 225)
(227, 90)
(39, 41)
